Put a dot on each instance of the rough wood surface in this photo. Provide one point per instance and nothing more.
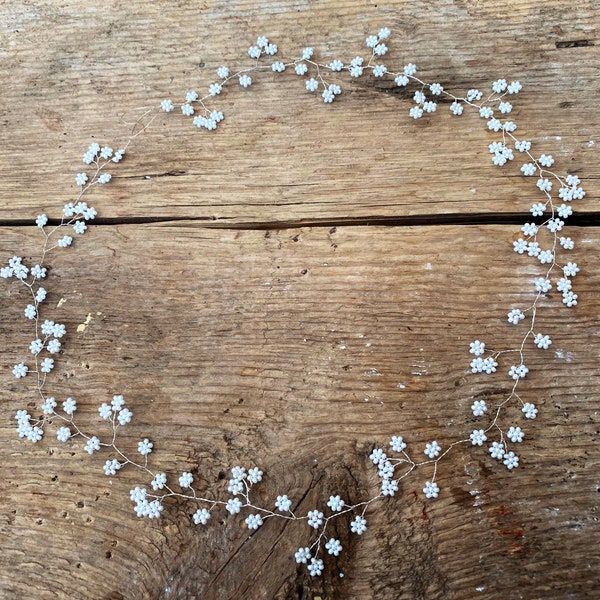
(237, 298)
(75, 73)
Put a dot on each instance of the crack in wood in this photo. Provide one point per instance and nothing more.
(575, 44)
(583, 220)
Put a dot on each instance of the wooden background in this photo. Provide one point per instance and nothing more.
(292, 291)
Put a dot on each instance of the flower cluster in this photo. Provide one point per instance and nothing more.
(529, 244)
(540, 238)
(98, 158)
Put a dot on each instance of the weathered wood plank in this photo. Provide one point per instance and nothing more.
(289, 348)
(73, 73)
(299, 350)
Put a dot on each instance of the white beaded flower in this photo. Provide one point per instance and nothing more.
(69, 406)
(478, 408)
(92, 445)
(515, 434)
(145, 447)
(477, 348)
(529, 410)
(315, 518)
(397, 443)
(315, 567)
(333, 547)
(233, 506)
(63, 434)
(255, 475)
(497, 450)
(432, 449)
(511, 460)
(302, 555)
(185, 480)
(159, 481)
(283, 503)
(515, 315)
(201, 516)
(431, 489)
(335, 503)
(254, 521)
(358, 525)
(478, 437)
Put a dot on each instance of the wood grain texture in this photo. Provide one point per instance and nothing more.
(79, 73)
(299, 352)
(240, 334)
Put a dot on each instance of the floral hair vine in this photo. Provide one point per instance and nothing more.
(502, 429)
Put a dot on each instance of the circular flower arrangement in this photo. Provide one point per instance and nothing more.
(541, 239)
